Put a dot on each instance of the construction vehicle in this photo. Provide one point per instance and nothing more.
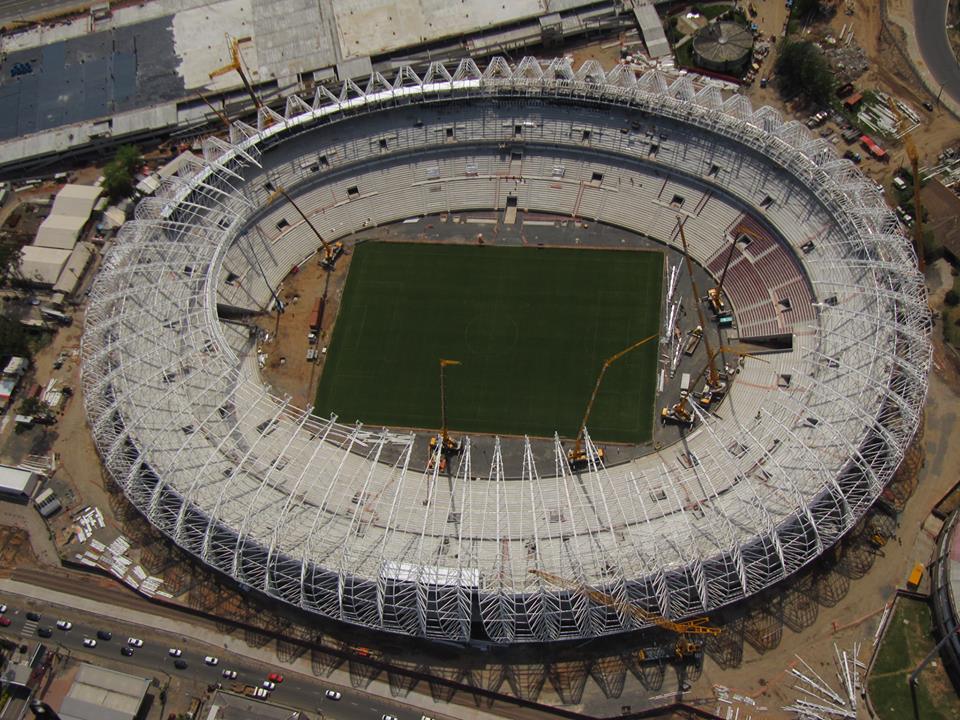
(679, 413)
(714, 295)
(578, 456)
(914, 158)
(693, 340)
(328, 252)
(448, 446)
(236, 65)
(712, 380)
(697, 626)
(249, 691)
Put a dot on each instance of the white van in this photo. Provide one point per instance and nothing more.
(685, 382)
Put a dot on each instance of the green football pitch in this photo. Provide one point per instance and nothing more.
(531, 328)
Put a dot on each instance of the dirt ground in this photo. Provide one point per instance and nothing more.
(287, 369)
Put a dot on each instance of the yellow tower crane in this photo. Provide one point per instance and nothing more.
(695, 626)
(914, 158)
(578, 456)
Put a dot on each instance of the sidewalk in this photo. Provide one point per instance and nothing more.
(194, 633)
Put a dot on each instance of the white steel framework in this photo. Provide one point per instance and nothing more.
(333, 519)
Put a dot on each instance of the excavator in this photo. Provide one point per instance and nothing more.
(328, 252)
(697, 626)
(448, 446)
(578, 457)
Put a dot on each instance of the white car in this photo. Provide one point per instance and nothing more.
(64, 624)
(89, 642)
(211, 660)
(267, 685)
(333, 695)
(174, 652)
(260, 693)
(3, 609)
(230, 674)
(388, 717)
(134, 642)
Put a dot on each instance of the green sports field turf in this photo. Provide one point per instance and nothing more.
(530, 326)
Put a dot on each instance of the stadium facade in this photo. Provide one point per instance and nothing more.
(333, 518)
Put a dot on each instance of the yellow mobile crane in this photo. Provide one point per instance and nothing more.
(329, 252)
(678, 413)
(696, 626)
(448, 446)
(236, 65)
(914, 158)
(578, 456)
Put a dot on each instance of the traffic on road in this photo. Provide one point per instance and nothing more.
(192, 661)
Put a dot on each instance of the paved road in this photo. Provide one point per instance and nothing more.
(154, 660)
(929, 17)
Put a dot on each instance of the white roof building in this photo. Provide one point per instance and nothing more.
(71, 210)
(17, 483)
(76, 200)
(42, 265)
(74, 268)
(59, 231)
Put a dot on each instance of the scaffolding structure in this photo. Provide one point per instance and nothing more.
(333, 519)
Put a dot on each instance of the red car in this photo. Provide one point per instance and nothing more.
(4, 621)
(275, 678)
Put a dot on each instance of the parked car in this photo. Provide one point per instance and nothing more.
(332, 695)
(275, 677)
(4, 621)
(89, 642)
(388, 717)
(211, 660)
(34, 616)
(134, 642)
(45, 632)
(174, 652)
(3, 609)
(260, 693)
(928, 106)
(230, 674)
(267, 685)
(64, 625)
(126, 651)
(180, 664)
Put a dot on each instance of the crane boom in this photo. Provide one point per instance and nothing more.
(914, 158)
(593, 396)
(696, 626)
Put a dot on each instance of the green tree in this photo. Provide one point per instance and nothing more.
(35, 407)
(10, 257)
(803, 70)
(129, 158)
(119, 173)
(14, 339)
(952, 298)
